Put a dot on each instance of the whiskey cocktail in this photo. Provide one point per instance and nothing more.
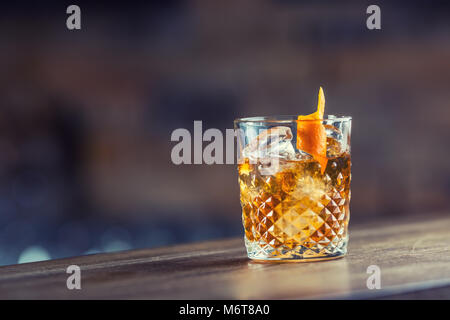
(295, 189)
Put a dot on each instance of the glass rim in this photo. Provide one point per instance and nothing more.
(288, 119)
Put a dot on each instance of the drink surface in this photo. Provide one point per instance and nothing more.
(298, 212)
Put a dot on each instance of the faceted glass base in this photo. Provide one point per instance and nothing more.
(265, 252)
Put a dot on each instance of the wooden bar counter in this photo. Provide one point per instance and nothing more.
(413, 255)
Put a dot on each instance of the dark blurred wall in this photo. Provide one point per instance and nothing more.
(86, 116)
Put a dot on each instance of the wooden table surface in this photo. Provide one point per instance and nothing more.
(413, 256)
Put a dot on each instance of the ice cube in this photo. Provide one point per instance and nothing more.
(275, 142)
(334, 145)
(333, 132)
(302, 155)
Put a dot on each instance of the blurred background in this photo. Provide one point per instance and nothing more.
(86, 116)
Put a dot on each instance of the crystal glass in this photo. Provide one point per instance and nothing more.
(295, 206)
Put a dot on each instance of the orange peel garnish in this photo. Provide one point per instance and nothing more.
(311, 135)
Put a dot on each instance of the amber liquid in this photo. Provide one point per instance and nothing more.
(297, 212)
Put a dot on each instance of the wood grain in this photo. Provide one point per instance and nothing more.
(414, 257)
